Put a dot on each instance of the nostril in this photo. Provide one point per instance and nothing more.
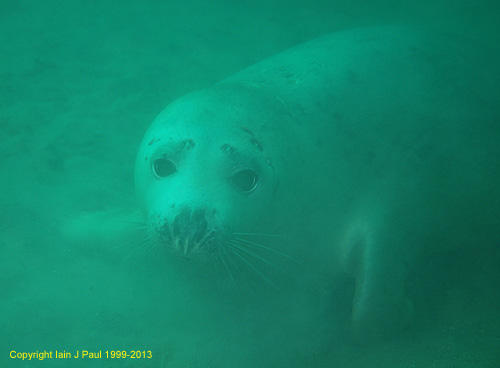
(180, 224)
(200, 234)
(192, 224)
(200, 224)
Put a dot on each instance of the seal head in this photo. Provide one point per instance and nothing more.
(203, 173)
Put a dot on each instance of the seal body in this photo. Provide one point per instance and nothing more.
(347, 157)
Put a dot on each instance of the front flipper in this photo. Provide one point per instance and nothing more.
(377, 258)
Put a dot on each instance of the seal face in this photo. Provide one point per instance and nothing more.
(356, 146)
(203, 179)
(196, 223)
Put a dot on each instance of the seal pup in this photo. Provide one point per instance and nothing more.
(347, 157)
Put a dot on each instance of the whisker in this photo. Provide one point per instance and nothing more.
(137, 223)
(268, 249)
(139, 246)
(228, 255)
(260, 234)
(264, 277)
(206, 236)
(214, 259)
(259, 257)
(227, 268)
(131, 242)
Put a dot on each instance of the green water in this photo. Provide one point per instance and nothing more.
(80, 82)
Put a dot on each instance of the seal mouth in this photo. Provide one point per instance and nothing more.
(236, 257)
(190, 234)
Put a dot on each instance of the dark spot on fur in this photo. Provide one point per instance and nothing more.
(187, 144)
(256, 143)
(248, 131)
(227, 149)
(253, 140)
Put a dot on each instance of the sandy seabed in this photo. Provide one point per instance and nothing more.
(79, 85)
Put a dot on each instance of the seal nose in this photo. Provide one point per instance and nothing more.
(190, 230)
(191, 224)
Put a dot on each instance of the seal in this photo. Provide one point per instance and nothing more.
(347, 157)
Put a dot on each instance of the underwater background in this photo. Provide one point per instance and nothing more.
(80, 82)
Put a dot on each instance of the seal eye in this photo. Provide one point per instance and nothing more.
(163, 167)
(246, 180)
